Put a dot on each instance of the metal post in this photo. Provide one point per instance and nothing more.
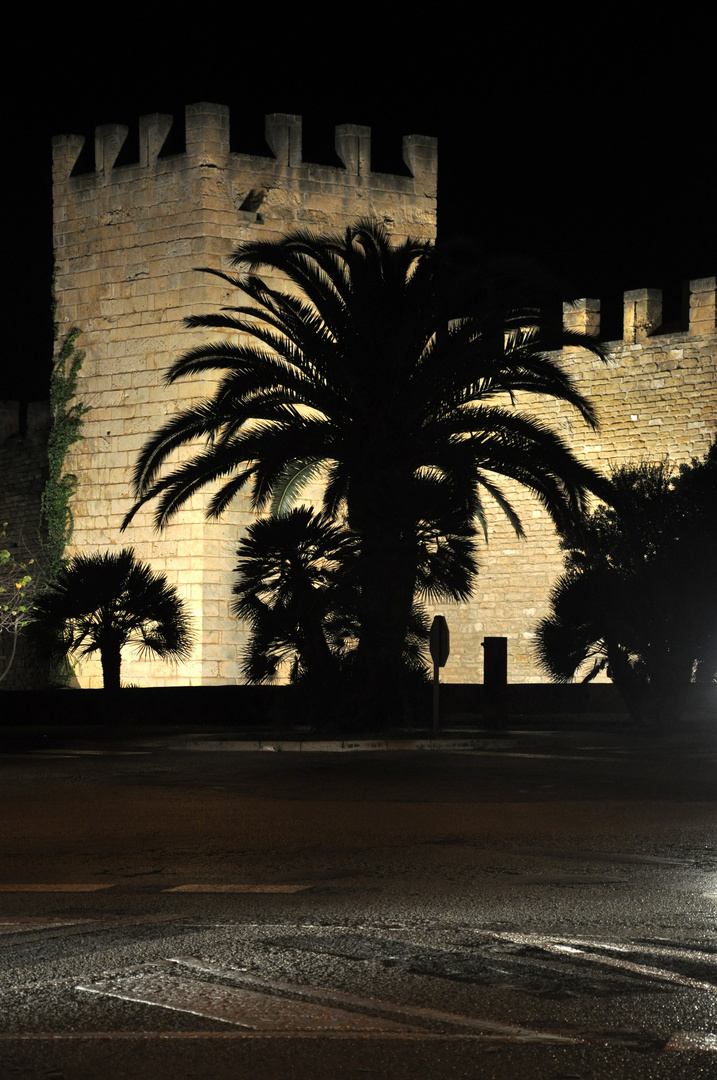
(439, 641)
(436, 696)
(495, 679)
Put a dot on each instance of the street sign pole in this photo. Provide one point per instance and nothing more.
(439, 641)
(436, 701)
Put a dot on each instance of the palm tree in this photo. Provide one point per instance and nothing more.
(100, 603)
(398, 391)
(296, 591)
(638, 599)
(297, 588)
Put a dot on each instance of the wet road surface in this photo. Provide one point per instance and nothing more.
(546, 908)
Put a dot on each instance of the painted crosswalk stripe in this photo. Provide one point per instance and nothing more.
(237, 1005)
(54, 888)
(257, 1006)
(416, 1016)
(239, 888)
(578, 949)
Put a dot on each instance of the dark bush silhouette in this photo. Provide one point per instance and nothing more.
(639, 595)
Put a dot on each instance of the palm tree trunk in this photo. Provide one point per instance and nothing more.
(317, 655)
(387, 577)
(656, 699)
(111, 662)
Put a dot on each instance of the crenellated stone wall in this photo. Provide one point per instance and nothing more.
(128, 239)
(656, 397)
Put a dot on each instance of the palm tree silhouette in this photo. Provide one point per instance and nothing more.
(638, 598)
(298, 590)
(373, 373)
(100, 603)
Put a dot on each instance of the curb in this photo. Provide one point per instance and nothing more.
(342, 746)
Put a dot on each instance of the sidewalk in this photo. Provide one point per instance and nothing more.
(582, 734)
(516, 739)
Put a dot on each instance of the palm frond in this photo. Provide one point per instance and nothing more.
(289, 487)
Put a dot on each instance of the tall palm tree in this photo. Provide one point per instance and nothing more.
(370, 372)
(100, 603)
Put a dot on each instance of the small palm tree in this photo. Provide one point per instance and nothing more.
(295, 591)
(298, 589)
(100, 603)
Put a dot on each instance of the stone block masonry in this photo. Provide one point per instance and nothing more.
(128, 239)
(656, 398)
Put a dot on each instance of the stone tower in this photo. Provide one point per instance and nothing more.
(127, 239)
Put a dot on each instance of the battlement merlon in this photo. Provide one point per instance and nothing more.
(642, 313)
(207, 143)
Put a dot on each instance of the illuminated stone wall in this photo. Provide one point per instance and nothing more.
(656, 397)
(128, 238)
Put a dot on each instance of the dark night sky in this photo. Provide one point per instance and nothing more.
(589, 152)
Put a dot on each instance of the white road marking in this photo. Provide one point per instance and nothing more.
(239, 888)
(407, 1013)
(563, 879)
(237, 1005)
(67, 752)
(36, 922)
(656, 950)
(578, 948)
(693, 1040)
(246, 1033)
(54, 888)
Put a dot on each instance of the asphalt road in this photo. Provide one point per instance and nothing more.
(543, 908)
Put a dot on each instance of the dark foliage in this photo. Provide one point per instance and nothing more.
(298, 590)
(639, 595)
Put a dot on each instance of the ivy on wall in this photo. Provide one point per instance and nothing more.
(65, 430)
